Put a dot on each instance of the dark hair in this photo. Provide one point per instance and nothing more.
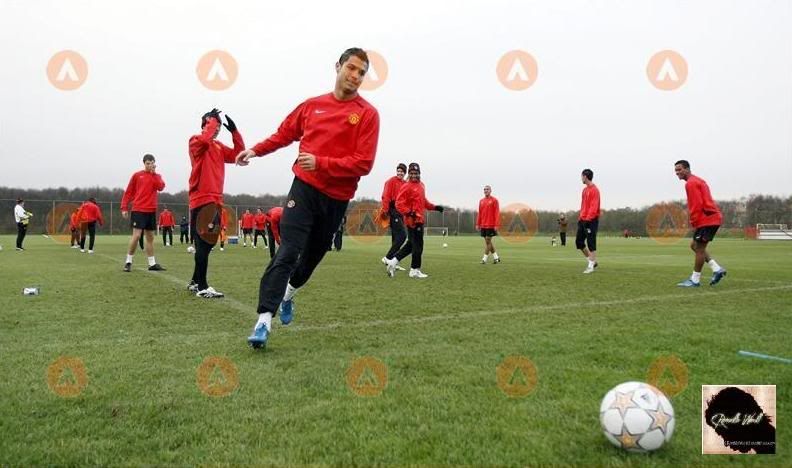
(19, 200)
(402, 166)
(415, 167)
(683, 163)
(148, 157)
(92, 199)
(357, 52)
(588, 173)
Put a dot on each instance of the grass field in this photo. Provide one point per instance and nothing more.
(142, 338)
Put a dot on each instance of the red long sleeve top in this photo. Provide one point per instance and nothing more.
(260, 221)
(208, 158)
(90, 212)
(142, 191)
(590, 204)
(390, 191)
(341, 134)
(488, 213)
(274, 217)
(412, 199)
(166, 219)
(702, 208)
(247, 221)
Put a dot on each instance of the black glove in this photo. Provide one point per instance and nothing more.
(231, 126)
(214, 113)
(439, 208)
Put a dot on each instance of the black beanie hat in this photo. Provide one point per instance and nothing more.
(415, 167)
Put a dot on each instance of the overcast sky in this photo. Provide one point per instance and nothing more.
(592, 103)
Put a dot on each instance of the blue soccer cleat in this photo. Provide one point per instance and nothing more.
(286, 312)
(717, 276)
(688, 283)
(259, 337)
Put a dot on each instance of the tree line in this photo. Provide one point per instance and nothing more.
(48, 206)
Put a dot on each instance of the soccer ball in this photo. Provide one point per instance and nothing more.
(445, 245)
(190, 249)
(637, 417)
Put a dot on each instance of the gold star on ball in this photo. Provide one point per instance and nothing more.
(660, 420)
(623, 402)
(627, 441)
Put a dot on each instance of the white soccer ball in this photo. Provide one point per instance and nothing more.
(637, 417)
(190, 249)
(445, 245)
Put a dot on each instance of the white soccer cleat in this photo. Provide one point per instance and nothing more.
(416, 273)
(90, 251)
(81, 250)
(222, 249)
(75, 247)
(209, 293)
(588, 270)
(391, 266)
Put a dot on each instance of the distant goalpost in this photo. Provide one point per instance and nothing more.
(773, 232)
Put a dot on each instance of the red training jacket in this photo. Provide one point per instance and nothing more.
(702, 208)
(208, 158)
(274, 217)
(142, 192)
(166, 219)
(412, 199)
(488, 213)
(74, 220)
(590, 204)
(390, 191)
(341, 134)
(90, 212)
(260, 221)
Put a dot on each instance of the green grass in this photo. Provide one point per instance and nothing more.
(141, 337)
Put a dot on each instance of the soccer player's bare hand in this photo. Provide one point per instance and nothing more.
(306, 161)
(125, 214)
(243, 158)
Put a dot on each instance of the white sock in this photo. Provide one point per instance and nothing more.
(714, 265)
(484, 258)
(151, 261)
(696, 277)
(495, 255)
(129, 258)
(591, 263)
(290, 292)
(266, 319)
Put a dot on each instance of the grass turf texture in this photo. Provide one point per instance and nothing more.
(142, 337)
